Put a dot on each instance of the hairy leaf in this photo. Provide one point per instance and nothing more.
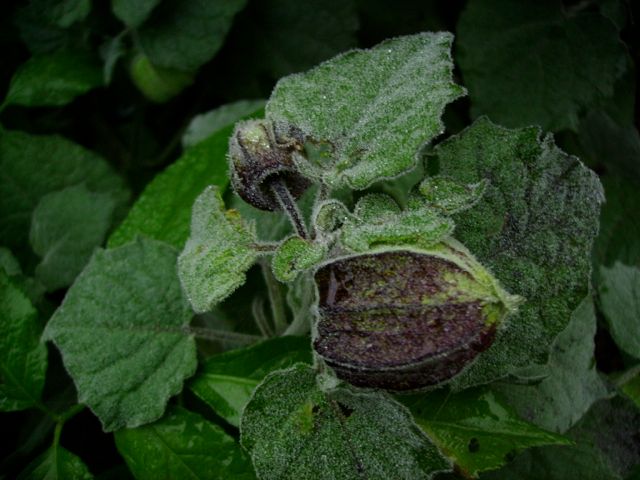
(121, 333)
(532, 64)
(375, 107)
(294, 429)
(294, 255)
(23, 358)
(182, 445)
(56, 463)
(133, 14)
(533, 229)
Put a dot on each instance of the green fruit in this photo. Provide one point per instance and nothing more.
(158, 84)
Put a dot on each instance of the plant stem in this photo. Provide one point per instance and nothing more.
(62, 418)
(257, 308)
(288, 204)
(278, 312)
(224, 335)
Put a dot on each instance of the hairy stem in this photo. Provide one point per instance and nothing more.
(288, 204)
(224, 335)
(257, 308)
(278, 312)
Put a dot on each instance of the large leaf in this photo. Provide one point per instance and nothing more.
(533, 228)
(34, 165)
(23, 358)
(532, 64)
(375, 107)
(66, 227)
(185, 34)
(294, 429)
(218, 253)
(121, 333)
(56, 463)
(226, 381)
(572, 384)
(53, 80)
(476, 428)
(133, 14)
(182, 445)
(620, 302)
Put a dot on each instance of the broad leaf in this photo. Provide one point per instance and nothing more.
(23, 358)
(182, 445)
(66, 227)
(533, 229)
(226, 381)
(532, 64)
(295, 255)
(121, 333)
(572, 384)
(53, 80)
(476, 428)
(56, 463)
(294, 429)
(620, 302)
(133, 14)
(375, 107)
(185, 34)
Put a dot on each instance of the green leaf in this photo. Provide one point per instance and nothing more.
(53, 80)
(56, 464)
(533, 229)
(133, 14)
(532, 64)
(66, 227)
(294, 255)
(375, 107)
(9, 263)
(163, 210)
(450, 197)
(158, 84)
(226, 381)
(204, 125)
(185, 34)
(182, 445)
(572, 384)
(620, 301)
(218, 253)
(294, 429)
(121, 333)
(476, 428)
(35, 165)
(23, 358)
(632, 389)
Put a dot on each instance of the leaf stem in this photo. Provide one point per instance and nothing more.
(62, 418)
(278, 312)
(224, 335)
(257, 308)
(288, 204)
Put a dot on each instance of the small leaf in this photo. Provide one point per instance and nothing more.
(23, 358)
(293, 429)
(182, 445)
(66, 227)
(158, 84)
(620, 301)
(294, 255)
(133, 14)
(56, 463)
(218, 253)
(476, 428)
(120, 332)
(53, 80)
(226, 381)
(375, 107)
(450, 197)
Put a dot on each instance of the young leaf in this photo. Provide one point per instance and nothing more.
(53, 80)
(294, 429)
(620, 301)
(182, 445)
(529, 64)
(294, 255)
(375, 107)
(218, 253)
(572, 385)
(23, 358)
(475, 428)
(133, 14)
(533, 228)
(185, 34)
(120, 331)
(226, 381)
(56, 463)
(66, 227)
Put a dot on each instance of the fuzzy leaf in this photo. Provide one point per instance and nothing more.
(533, 229)
(56, 464)
(66, 227)
(53, 80)
(226, 381)
(450, 197)
(120, 331)
(532, 64)
(23, 358)
(293, 429)
(133, 14)
(476, 428)
(375, 107)
(620, 301)
(294, 255)
(218, 253)
(182, 445)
